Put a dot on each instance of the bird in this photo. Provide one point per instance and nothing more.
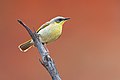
(49, 32)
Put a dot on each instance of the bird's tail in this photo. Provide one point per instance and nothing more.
(25, 46)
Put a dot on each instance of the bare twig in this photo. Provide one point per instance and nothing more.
(47, 61)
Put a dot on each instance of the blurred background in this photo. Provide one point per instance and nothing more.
(89, 48)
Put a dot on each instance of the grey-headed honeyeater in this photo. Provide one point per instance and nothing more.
(49, 32)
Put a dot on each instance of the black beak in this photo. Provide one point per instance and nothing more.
(66, 18)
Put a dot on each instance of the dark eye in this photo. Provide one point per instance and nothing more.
(59, 20)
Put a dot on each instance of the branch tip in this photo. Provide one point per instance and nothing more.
(19, 21)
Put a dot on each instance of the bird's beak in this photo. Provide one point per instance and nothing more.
(66, 19)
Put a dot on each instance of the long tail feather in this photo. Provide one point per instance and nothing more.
(25, 46)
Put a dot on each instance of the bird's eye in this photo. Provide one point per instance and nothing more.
(58, 20)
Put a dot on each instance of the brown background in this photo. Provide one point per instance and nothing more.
(89, 48)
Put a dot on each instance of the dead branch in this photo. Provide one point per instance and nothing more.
(46, 61)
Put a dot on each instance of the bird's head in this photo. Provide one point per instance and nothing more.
(59, 20)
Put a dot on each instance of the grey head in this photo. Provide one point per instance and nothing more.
(58, 19)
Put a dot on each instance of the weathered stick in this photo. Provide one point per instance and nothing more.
(47, 61)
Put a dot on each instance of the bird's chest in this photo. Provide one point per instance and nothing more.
(50, 33)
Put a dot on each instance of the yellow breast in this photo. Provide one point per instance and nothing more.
(50, 33)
